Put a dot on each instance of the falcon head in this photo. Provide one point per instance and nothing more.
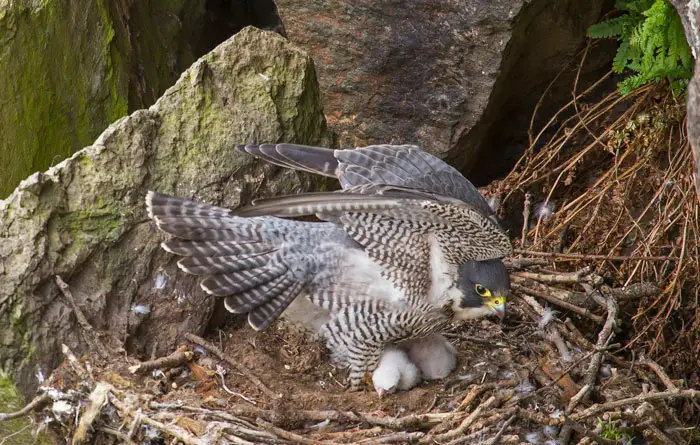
(481, 289)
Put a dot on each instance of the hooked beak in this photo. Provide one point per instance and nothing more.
(381, 392)
(498, 306)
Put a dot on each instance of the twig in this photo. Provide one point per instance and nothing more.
(659, 435)
(15, 433)
(635, 291)
(583, 256)
(565, 277)
(604, 337)
(173, 360)
(38, 402)
(221, 372)
(651, 364)
(495, 439)
(74, 362)
(401, 437)
(288, 435)
(527, 208)
(589, 434)
(641, 398)
(173, 430)
(558, 302)
(88, 331)
(118, 434)
(411, 421)
(577, 398)
(462, 428)
(521, 263)
(243, 370)
(98, 399)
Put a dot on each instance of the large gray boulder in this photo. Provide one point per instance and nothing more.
(445, 74)
(689, 11)
(84, 219)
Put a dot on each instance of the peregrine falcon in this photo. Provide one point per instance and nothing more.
(406, 247)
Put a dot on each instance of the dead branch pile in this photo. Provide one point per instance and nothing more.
(613, 179)
(537, 378)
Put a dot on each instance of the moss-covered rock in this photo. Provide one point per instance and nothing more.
(84, 218)
(71, 67)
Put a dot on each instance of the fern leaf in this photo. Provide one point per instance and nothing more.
(652, 44)
(622, 57)
(607, 29)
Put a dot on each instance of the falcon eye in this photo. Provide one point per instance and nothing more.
(481, 290)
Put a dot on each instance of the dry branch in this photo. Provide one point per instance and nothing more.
(173, 360)
(590, 257)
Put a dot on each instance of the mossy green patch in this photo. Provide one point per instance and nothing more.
(69, 69)
(58, 80)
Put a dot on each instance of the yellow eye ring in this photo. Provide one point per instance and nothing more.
(482, 291)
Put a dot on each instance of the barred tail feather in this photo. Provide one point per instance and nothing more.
(246, 301)
(214, 248)
(263, 315)
(202, 265)
(228, 284)
(241, 259)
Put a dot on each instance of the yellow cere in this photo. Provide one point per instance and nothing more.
(497, 301)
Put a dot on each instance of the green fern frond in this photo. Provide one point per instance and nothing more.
(652, 44)
(607, 29)
(622, 57)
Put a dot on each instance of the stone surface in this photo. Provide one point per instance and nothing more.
(693, 120)
(84, 219)
(71, 67)
(689, 11)
(444, 74)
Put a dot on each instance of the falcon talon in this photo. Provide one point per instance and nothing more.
(406, 236)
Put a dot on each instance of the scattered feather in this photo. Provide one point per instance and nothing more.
(547, 317)
(533, 437)
(494, 203)
(161, 281)
(40, 376)
(551, 431)
(525, 387)
(150, 433)
(544, 210)
(321, 424)
(61, 408)
(141, 309)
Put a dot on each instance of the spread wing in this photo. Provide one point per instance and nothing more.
(409, 210)
(369, 169)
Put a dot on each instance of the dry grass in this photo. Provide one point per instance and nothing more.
(617, 177)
